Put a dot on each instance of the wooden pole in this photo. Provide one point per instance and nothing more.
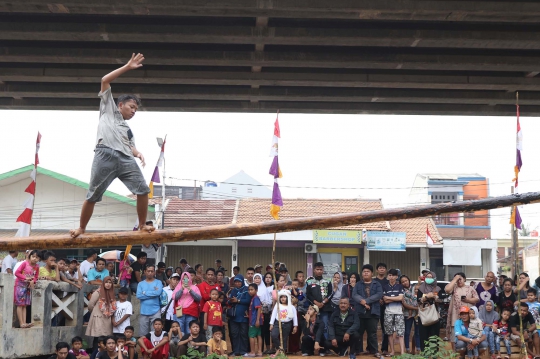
(280, 349)
(247, 229)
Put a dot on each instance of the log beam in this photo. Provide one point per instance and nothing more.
(247, 229)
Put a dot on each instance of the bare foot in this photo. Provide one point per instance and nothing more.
(76, 232)
(147, 228)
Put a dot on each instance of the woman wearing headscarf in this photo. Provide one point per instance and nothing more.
(489, 317)
(102, 305)
(239, 299)
(186, 301)
(427, 295)
(337, 289)
(461, 295)
(410, 312)
(266, 301)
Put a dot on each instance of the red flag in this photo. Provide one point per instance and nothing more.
(31, 188)
(26, 216)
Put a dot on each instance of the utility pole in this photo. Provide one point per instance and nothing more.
(513, 233)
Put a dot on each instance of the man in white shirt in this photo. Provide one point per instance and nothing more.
(170, 317)
(89, 263)
(9, 262)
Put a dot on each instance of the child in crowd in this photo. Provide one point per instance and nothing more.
(101, 347)
(64, 268)
(503, 333)
(110, 268)
(394, 321)
(26, 277)
(534, 307)
(217, 345)
(476, 327)
(213, 314)
(296, 293)
(125, 270)
(289, 320)
(194, 339)
(174, 339)
(155, 345)
(131, 342)
(121, 345)
(255, 322)
(77, 350)
(49, 271)
(124, 310)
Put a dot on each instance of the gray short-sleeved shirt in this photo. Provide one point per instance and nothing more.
(113, 130)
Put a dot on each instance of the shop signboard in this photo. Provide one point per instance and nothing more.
(337, 236)
(386, 241)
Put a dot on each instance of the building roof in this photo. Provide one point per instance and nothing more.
(416, 229)
(20, 173)
(258, 210)
(199, 213)
(449, 176)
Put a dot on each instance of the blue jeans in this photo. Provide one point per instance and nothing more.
(124, 283)
(408, 326)
(324, 317)
(184, 321)
(493, 342)
(507, 344)
(461, 346)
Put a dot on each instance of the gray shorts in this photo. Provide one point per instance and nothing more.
(110, 164)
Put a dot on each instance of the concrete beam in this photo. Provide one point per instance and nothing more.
(413, 10)
(380, 35)
(284, 107)
(150, 75)
(285, 94)
(330, 59)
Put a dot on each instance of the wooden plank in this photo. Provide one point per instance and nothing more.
(246, 229)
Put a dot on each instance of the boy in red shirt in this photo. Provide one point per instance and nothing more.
(206, 288)
(212, 313)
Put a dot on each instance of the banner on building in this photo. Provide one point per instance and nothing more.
(337, 237)
(386, 241)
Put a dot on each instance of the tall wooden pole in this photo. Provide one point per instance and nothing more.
(280, 349)
(248, 229)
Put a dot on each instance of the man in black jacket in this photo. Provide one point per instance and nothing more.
(318, 291)
(343, 327)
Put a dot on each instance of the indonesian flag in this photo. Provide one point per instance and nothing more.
(429, 240)
(519, 147)
(155, 175)
(277, 201)
(26, 216)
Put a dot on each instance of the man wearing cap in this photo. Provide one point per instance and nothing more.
(285, 272)
(124, 310)
(463, 342)
(160, 273)
(269, 268)
(258, 268)
(170, 315)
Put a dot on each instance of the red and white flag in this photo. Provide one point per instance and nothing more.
(26, 216)
(429, 240)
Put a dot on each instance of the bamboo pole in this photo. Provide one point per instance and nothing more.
(280, 349)
(247, 229)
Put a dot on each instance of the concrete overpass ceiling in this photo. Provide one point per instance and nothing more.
(440, 57)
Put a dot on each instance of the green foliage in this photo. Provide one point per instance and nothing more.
(434, 348)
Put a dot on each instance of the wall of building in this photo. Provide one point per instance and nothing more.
(195, 254)
(58, 205)
(462, 232)
(294, 257)
(408, 262)
(240, 185)
(476, 190)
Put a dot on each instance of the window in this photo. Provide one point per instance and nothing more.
(250, 190)
(233, 190)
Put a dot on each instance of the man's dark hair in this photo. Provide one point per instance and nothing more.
(509, 281)
(522, 304)
(220, 271)
(63, 259)
(250, 268)
(318, 264)
(193, 322)
(236, 267)
(101, 339)
(126, 98)
(368, 267)
(344, 273)
(101, 260)
(157, 320)
(254, 286)
(183, 261)
(90, 253)
(129, 327)
(297, 273)
(197, 266)
(120, 336)
(141, 255)
(61, 345)
(149, 266)
(210, 270)
(218, 260)
(217, 329)
(11, 252)
(531, 290)
(393, 272)
(381, 265)
(107, 339)
(48, 254)
(191, 271)
(76, 340)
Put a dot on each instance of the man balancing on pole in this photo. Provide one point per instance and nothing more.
(115, 153)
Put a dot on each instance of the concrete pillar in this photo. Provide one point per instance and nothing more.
(424, 258)
(493, 260)
(234, 259)
(366, 255)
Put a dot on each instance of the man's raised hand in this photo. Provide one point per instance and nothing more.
(135, 62)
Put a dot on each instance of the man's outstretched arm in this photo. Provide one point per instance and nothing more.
(134, 63)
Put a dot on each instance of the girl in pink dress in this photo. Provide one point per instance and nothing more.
(26, 277)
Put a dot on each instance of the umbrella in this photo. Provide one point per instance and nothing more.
(114, 255)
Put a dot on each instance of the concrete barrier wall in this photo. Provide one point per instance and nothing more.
(48, 300)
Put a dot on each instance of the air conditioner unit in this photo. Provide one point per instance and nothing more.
(310, 248)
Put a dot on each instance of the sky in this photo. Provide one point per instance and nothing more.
(374, 156)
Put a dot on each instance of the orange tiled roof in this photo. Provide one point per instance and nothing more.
(258, 210)
(416, 229)
(198, 213)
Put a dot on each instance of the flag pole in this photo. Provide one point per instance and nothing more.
(280, 349)
(36, 162)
